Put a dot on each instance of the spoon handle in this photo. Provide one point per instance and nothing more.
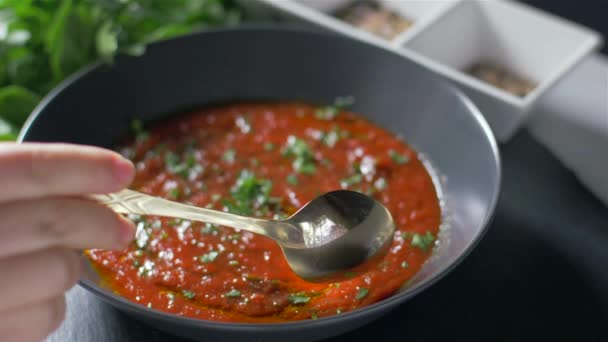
(133, 202)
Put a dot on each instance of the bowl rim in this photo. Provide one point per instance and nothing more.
(378, 307)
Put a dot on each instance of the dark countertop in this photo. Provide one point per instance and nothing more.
(538, 274)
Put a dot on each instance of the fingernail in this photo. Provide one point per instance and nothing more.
(123, 170)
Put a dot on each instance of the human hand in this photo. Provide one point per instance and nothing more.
(44, 220)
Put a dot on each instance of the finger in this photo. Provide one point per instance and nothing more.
(36, 277)
(36, 170)
(77, 223)
(33, 322)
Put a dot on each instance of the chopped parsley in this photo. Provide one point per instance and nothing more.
(298, 298)
(268, 146)
(233, 293)
(137, 127)
(229, 156)
(423, 241)
(314, 315)
(188, 294)
(209, 257)
(249, 195)
(330, 112)
(209, 228)
(292, 179)
(303, 157)
(404, 264)
(362, 293)
(351, 180)
(233, 262)
(398, 158)
(174, 193)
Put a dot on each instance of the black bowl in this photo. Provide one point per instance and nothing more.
(96, 105)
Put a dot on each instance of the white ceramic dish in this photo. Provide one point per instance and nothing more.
(448, 36)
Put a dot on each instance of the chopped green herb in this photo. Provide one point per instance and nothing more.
(209, 257)
(149, 305)
(209, 228)
(298, 298)
(249, 194)
(313, 315)
(268, 146)
(423, 241)
(216, 197)
(304, 160)
(405, 235)
(362, 293)
(404, 264)
(327, 112)
(229, 156)
(164, 235)
(330, 138)
(292, 179)
(233, 293)
(235, 236)
(330, 112)
(398, 158)
(136, 263)
(338, 311)
(174, 193)
(233, 262)
(351, 180)
(188, 294)
(137, 127)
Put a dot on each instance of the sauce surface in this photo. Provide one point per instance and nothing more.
(264, 160)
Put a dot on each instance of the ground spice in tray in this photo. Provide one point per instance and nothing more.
(502, 78)
(373, 17)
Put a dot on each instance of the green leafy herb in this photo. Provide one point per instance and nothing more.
(298, 298)
(292, 179)
(233, 262)
(233, 293)
(43, 42)
(268, 146)
(362, 293)
(424, 242)
(404, 264)
(330, 112)
(398, 158)
(249, 194)
(304, 160)
(351, 180)
(229, 156)
(209, 257)
(174, 193)
(313, 315)
(330, 138)
(188, 294)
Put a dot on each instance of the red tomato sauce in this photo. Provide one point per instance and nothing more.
(264, 160)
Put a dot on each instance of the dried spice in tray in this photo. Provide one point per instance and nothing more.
(373, 17)
(502, 78)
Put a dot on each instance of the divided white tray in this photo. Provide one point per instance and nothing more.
(447, 36)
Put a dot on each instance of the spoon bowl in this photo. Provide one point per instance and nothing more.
(342, 229)
(332, 233)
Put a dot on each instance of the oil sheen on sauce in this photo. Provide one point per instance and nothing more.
(264, 160)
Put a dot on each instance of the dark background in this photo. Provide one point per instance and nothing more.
(591, 13)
